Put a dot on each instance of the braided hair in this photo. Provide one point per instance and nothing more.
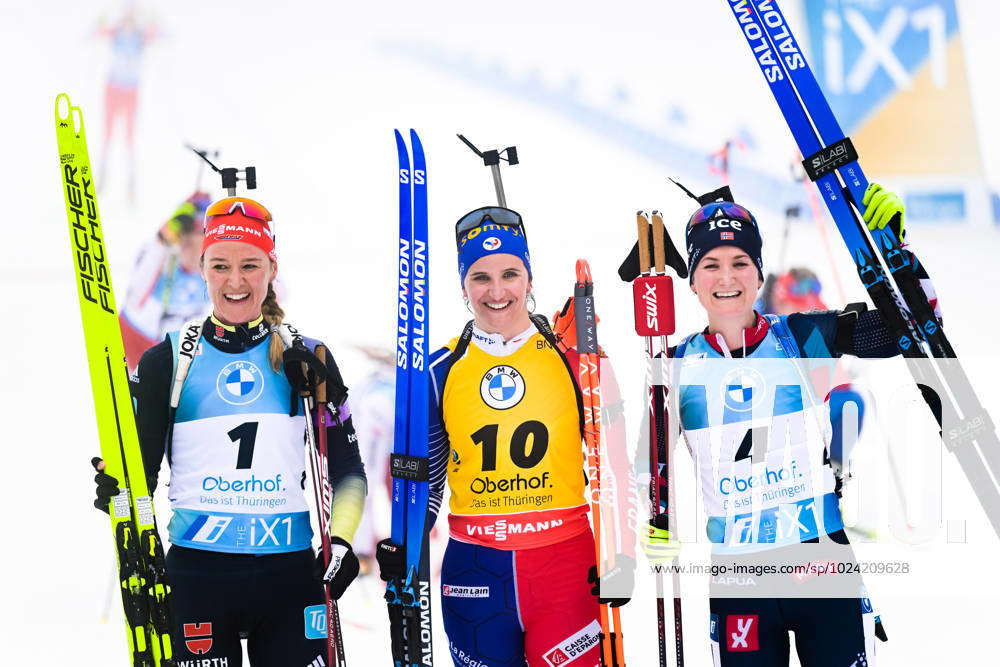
(274, 316)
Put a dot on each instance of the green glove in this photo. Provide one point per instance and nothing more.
(882, 208)
(658, 546)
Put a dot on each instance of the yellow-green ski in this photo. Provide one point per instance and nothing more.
(145, 594)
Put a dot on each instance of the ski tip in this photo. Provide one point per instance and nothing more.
(583, 271)
(77, 115)
(402, 151)
(63, 106)
(415, 140)
(68, 116)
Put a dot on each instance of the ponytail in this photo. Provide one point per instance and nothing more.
(273, 315)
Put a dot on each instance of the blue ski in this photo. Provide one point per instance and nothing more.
(831, 162)
(773, 67)
(837, 153)
(410, 599)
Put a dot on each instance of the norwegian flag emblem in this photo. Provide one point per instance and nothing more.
(727, 236)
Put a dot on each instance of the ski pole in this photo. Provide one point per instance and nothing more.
(659, 255)
(645, 261)
(612, 646)
(323, 494)
(320, 409)
(654, 318)
(586, 339)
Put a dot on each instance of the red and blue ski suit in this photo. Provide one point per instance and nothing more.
(506, 435)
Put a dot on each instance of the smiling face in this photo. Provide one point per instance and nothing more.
(237, 275)
(497, 287)
(726, 283)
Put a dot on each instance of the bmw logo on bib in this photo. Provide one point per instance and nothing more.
(743, 388)
(239, 383)
(502, 387)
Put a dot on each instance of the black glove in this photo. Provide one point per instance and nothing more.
(619, 579)
(391, 560)
(303, 369)
(341, 571)
(107, 486)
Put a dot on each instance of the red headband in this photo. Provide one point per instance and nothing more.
(238, 227)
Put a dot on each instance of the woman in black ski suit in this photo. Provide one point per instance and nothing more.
(241, 560)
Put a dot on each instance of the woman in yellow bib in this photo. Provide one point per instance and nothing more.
(505, 431)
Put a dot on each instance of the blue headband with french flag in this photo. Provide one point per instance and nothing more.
(491, 238)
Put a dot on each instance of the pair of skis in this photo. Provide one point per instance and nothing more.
(832, 163)
(409, 598)
(139, 552)
(589, 379)
(653, 299)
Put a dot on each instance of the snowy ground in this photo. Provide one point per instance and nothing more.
(309, 95)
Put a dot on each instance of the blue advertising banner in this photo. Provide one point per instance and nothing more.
(867, 51)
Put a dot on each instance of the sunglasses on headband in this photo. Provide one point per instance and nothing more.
(250, 209)
(725, 209)
(495, 214)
